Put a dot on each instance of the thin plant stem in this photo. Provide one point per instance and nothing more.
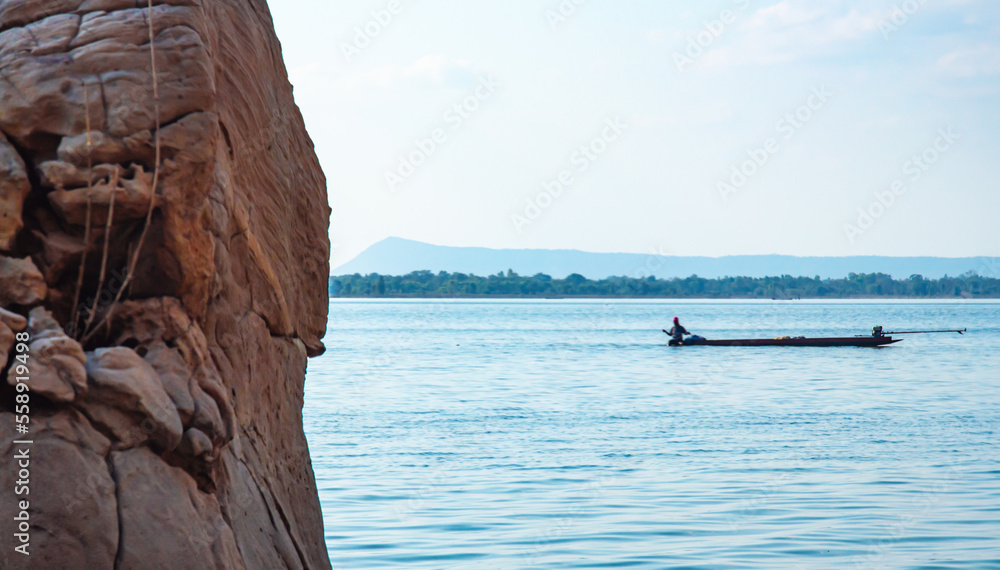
(107, 244)
(86, 231)
(156, 176)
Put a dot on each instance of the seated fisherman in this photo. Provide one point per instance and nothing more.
(678, 332)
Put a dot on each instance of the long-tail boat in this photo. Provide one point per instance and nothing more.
(877, 338)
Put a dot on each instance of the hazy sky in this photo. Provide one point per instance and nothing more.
(680, 127)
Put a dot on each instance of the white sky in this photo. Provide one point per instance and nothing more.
(892, 87)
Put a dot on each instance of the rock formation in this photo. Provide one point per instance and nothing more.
(166, 257)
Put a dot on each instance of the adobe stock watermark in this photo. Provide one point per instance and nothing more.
(786, 129)
(366, 33)
(699, 43)
(20, 375)
(899, 17)
(435, 484)
(405, 510)
(753, 505)
(913, 169)
(990, 267)
(582, 158)
(593, 492)
(923, 505)
(377, 363)
(562, 12)
(656, 259)
(454, 118)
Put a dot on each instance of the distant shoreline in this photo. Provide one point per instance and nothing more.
(509, 285)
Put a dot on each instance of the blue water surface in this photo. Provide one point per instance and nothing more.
(564, 434)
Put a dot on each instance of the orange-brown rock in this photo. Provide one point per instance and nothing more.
(131, 195)
(14, 188)
(73, 509)
(6, 342)
(56, 362)
(166, 521)
(125, 391)
(16, 322)
(170, 366)
(184, 446)
(195, 443)
(61, 252)
(62, 175)
(21, 283)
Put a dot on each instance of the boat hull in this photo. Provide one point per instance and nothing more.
(845, 341)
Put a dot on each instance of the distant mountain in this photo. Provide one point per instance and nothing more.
(397, 256)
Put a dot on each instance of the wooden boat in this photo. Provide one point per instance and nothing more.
(879, 337)
(834, 341)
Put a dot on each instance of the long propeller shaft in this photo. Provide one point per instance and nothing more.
(962, 331)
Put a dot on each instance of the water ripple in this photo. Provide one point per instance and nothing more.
(562, 435)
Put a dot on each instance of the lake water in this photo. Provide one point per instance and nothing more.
(564, 434)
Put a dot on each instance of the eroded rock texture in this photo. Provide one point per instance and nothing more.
(167, 426)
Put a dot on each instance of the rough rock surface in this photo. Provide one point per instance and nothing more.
(168, 421)
(74, 513)
(14, 188)
(57, 362)
(123, 386)
(21, 283)
(6, 342)
(166, 519)
(16, 322)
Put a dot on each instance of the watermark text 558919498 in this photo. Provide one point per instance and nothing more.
(455, 117)
(914, 169)
(20, 373)
(582, 158)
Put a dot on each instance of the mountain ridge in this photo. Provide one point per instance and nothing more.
(399, 256)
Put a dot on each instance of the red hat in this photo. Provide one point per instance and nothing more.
(676, 320)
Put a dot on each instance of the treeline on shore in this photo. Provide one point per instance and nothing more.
(510, 284)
